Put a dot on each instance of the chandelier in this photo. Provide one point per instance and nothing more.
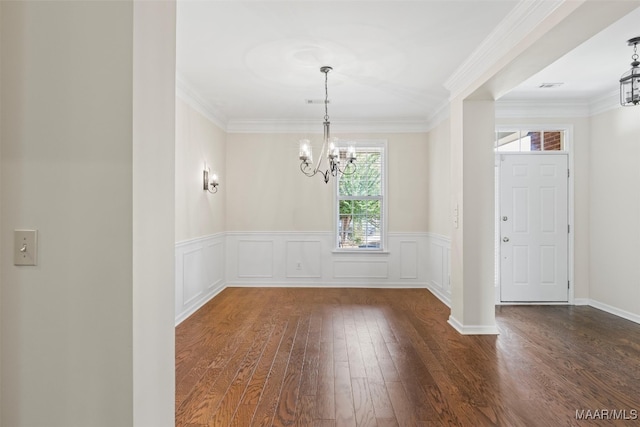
(330, 150)
(630, 81)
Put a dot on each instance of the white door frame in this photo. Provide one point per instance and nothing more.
(568, 149)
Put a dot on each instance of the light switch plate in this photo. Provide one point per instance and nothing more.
(25, 247)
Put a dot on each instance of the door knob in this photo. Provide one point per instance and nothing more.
(505, 239)
(504, 218)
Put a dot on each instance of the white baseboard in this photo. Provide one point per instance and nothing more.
(180, 317)
(445, 298)
(385, 285)
(615, 311)
(473, 329)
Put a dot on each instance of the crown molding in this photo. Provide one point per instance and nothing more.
(521, 109)
(441, 114)
(525, 16)
(315, 126)
(606, 102)
(186, 92)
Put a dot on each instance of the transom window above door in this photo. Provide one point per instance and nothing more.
(524, 140)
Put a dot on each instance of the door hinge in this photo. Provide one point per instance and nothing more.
(568, 173)
(568, 228)
(568, 282)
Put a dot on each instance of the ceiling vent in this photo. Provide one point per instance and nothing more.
(316, 101)
(549, 85)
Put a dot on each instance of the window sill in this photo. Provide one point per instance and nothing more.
(360, 252)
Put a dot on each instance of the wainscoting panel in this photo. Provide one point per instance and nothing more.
(310, 259)
(215, 257)
(360, 269)
(408, 260)
(193, 275)
(207, 265)
(255, 258)
(304, 259)
(436, 257)
(199, 273)
(439, 260)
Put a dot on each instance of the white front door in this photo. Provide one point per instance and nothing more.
(534, 227)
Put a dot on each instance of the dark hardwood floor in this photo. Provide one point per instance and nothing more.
(381, 357)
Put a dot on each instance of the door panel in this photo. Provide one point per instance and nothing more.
(533, 228)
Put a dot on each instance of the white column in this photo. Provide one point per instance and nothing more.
(472, 185)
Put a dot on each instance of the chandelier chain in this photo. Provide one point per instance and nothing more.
(326, 97)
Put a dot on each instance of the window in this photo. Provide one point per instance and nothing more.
(360, 201)
(530, 140)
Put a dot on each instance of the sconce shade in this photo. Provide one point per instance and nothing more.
(210, 183)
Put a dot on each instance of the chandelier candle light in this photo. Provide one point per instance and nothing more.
(630, 81)
(329, 148)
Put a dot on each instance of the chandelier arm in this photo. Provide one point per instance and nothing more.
(304, 167)
(349, 169)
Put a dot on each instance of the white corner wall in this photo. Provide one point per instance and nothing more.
(614, 206)
(153, 234)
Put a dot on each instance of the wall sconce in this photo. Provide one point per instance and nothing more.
(210, 186)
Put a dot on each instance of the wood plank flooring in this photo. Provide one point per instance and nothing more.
(382, 357)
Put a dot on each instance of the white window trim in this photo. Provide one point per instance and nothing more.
(383, 249)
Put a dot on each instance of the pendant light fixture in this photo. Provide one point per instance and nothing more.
(330, 150)
(630, 81)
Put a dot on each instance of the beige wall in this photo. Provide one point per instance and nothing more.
(615, 209)
(77, 325)
(67, 151)
(267, 191)
(439, 179)
(581, 178)
(198, 141)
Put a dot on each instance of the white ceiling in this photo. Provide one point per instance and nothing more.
(259, 60)
(590, 71)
